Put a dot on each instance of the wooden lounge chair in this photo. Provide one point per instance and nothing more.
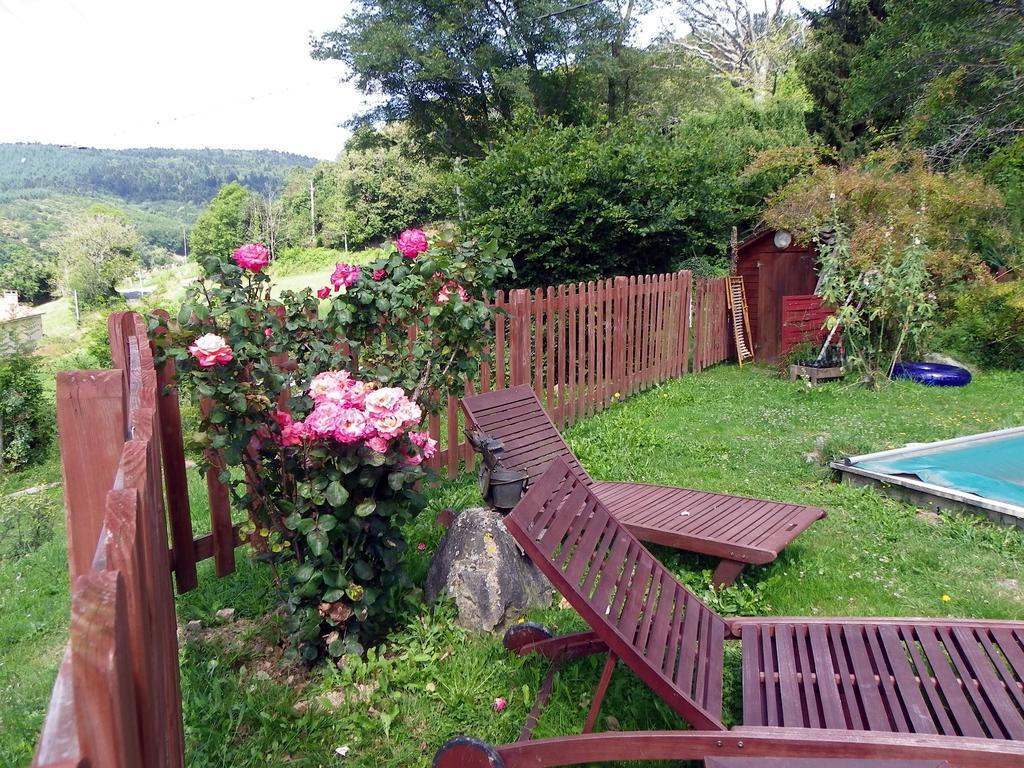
(840, 688)
(736, 529)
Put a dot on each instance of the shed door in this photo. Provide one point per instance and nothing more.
(784, 273)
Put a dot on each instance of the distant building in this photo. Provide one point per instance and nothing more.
(21, 327)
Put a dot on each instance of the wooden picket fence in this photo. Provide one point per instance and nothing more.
(117, 699)
(584, 345)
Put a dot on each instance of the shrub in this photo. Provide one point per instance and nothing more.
(578, 203)
(887, 196)
(318, 408)
(24, 412)
(884, 311)
(26, 522)
(986, 325)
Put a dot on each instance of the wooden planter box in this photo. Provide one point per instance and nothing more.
(814, 375)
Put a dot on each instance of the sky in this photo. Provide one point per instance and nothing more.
(233, 74)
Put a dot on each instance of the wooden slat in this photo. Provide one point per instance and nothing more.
(562, 375)
(101, 672)
(172, 448)
(538, 343)
(220, 506)
(92, 424)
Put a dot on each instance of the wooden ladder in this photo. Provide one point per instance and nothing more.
(737, 298)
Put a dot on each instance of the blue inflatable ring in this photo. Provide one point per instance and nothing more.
(932, 374)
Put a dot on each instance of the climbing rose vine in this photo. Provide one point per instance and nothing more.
(314, 406)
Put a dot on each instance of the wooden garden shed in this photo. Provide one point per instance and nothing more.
(773, 265)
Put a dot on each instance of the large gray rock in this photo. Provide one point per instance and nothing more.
(479, 564)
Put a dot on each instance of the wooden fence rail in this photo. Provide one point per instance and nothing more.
(117, 702)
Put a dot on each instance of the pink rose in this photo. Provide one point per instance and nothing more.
(378, 274)
(350, 426)
(357, 392)
(386, 424)
(252, 256)
(384, 400)
(324, 292)
(426, 443)
(421, 547)
(330, 385)
(211, 349)
(445, 293)
(323, 419)
(412, 243)
(294, 433)
(283, 418)
(408, 412)
(344, 275)
(499, 704)
(378, 444)
(268, 332)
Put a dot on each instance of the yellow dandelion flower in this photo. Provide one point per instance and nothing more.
(946, 598)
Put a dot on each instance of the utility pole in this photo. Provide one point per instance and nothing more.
(312, 211)
(271, 235)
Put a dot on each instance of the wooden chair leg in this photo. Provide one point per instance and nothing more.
(602, 688)
(726, 573)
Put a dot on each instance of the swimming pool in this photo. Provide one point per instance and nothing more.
(979, 473)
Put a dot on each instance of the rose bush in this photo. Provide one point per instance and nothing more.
(313, 405)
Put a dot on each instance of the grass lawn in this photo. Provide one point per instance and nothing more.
(738, 431)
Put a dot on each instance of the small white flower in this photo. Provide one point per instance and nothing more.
(342, 751)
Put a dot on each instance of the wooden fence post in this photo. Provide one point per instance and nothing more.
(91, 422)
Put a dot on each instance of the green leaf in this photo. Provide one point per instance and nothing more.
(318, 542)
(365, 509)
(304, 572)
(333, 595)
(240, 315)
(306, 525)
(326, 522)
(363, 570)
(336, 494)
(293, 521)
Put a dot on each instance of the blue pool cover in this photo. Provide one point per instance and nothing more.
(991, 468)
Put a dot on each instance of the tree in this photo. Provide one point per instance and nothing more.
(23, 271)
(94, 254)
(584, 202)
(947, 76)
(232, 218)
(457, 71)
(837, 35)
(375, 188)
(747, 46)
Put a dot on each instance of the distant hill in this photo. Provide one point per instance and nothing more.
(140, 175)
